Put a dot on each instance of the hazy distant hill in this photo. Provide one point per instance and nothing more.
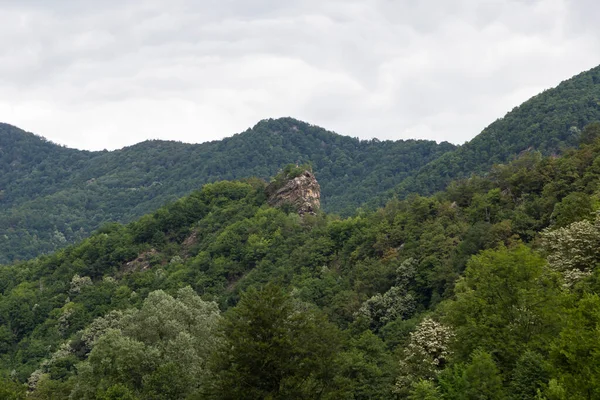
(52, 195)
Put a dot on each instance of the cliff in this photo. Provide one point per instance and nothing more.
(301, 191)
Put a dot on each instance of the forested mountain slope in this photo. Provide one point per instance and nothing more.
(31, 166)
(549, 122)
(489, 289)
(51, 195)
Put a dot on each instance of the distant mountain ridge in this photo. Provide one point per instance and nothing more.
(52, 195)
(549, 122)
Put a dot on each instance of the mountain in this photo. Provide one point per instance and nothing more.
(489, 289)
(51, 195)
(549, 122)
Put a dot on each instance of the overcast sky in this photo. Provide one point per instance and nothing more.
(106, 74)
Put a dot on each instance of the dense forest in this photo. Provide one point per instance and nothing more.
(486, 290)
(51, 196)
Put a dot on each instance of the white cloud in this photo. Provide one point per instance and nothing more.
(108, 74)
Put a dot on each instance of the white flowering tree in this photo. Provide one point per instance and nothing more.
(573, 250)
(396, 303)
(426, 354)
(78, 283)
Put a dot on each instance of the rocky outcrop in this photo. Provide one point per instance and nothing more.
(141, 263)
(301, 192)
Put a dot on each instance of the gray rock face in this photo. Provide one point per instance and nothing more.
(302, 192)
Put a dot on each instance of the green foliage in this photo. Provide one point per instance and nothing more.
(425, 355)
(393, 304)
(590, 133)
(116, 392)
(276, 348)
(549, 122)
(576, 352)
(506, 303)
(573, 207)
(143, 349)
(554, 392)
(11, 390)
(365, 370)
(424, 390)
(51, 196)
(530, 375)
(480, 379)
(476, 292)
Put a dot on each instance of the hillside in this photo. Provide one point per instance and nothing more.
(549, 122)
(51, 196)
(487, 290)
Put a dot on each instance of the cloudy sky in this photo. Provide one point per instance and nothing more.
(106, 74)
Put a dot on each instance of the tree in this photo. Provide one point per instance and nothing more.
(576, 353)
(366, 370)
(158, 352)
(426, 354)
(396, 303)
(590, 133)
(479, 379)
(275, 348)
(573, 250)
(11, 390)
(116, 392)
(507, 302)
(482, 378)
(424, 390)
(531, 374)
(573, 207)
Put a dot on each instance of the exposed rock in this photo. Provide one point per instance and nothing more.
(302, 192)
(141, 263)
(189, 242)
